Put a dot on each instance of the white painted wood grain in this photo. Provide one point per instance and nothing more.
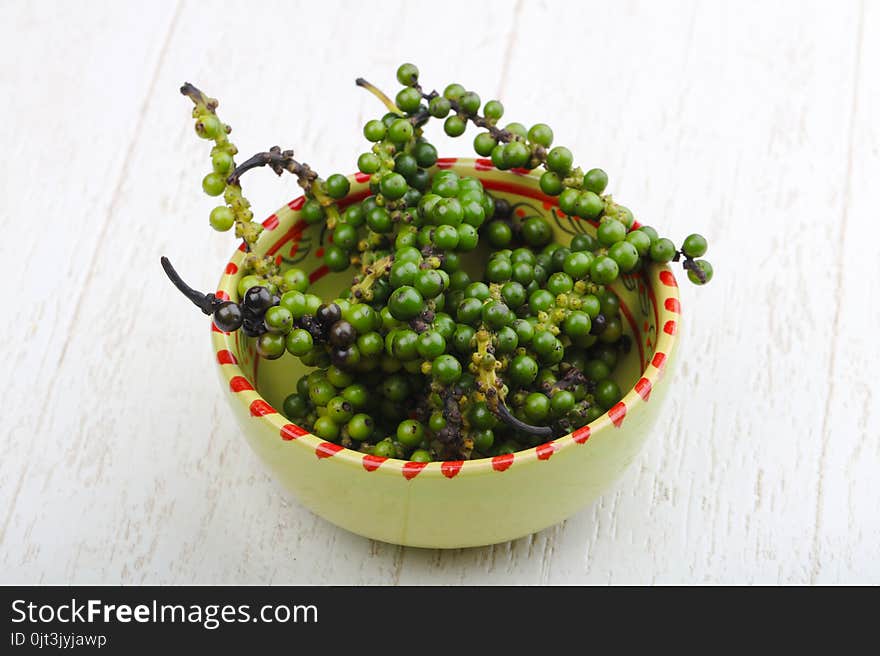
(753, 122)
(846, 542)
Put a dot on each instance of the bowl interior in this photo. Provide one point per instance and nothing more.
(295, 243)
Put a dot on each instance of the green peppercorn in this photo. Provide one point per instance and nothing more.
(446, 369)
(410, 433)
(595, 180)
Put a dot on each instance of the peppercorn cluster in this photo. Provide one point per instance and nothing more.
(465, 330)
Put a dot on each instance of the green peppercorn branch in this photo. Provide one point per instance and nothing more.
(237, 209)
(417, 358)
(225, 179)
(579, 192)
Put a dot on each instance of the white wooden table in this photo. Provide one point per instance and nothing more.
(756, 123)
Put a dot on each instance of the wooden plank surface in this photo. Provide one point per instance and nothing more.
(753, 123)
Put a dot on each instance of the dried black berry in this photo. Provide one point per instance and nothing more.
(329, 314)
(253, 328)
(345, 357)
(228, 316)
(257, 300)
(502, 209)
(342, 334)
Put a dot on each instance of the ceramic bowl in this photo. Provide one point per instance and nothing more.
(448, 504)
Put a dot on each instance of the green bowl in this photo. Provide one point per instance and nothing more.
(449, 504)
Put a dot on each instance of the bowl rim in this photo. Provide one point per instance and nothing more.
(660, 283)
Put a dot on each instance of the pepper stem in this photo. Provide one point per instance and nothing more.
(207, 303)
(361, 82)
(510, 420)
